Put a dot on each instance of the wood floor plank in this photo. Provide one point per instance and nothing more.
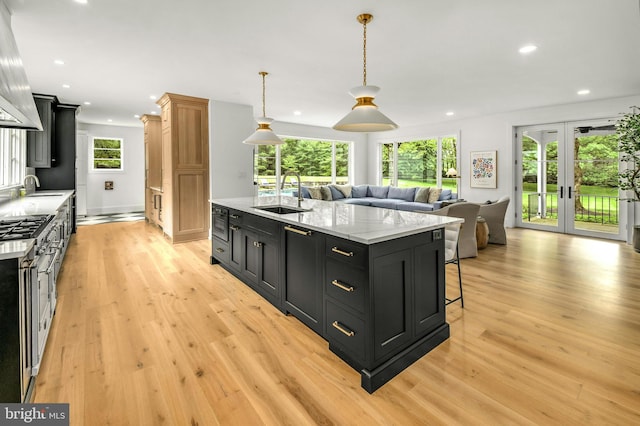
(149, 333)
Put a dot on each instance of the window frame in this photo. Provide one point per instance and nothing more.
(278, 162)
(92, 158)
(13, 158)
(393, 178)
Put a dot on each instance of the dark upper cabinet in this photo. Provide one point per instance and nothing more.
(41, 145)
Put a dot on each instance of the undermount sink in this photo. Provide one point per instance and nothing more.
(282, 209)
(45, 194)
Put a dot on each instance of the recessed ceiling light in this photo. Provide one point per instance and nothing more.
(449, 113)
(82, 1)
(58, 62)
(153, 97)
(528, 49)
(584, 92)
(87, 103)
(109, 120)
(154, 112)
(136, 116)
(66, 86)
(297, 112)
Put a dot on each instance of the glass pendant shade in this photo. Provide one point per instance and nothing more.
(263, 134)
(365, 116)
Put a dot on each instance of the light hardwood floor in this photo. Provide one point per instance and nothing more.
(149, 333)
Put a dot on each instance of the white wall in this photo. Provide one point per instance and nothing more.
(128, 185)
(495, 132)
(230, 160)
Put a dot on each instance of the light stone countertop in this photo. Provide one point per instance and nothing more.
(363, 224)
(44, 202)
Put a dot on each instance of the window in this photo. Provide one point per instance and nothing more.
(13, 157)
(319, 162)
(422, 162)
(107, 154)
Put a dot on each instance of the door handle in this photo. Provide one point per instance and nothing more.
(569, 192)
(562, 192)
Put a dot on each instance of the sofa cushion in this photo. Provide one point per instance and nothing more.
(434, 194)
(445, 195)
(387, 203)
(377, 191)
(359, 191)
(406, 194)
(336, 194)
(414, 206)
(326, 193)
(363, 201)
(422, 195)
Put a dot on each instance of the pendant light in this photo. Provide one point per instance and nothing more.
(263, 134)
(365, 116)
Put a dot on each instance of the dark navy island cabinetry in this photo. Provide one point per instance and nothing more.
(379, 304)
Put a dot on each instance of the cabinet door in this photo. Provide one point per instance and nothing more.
(429, 307)
(303, 276)
(392, 278)
(40, 144)
(261, 262)
(235, 247)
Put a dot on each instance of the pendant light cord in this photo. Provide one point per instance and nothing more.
(263, 74)
(364, 54)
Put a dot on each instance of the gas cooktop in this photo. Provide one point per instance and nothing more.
(23, 227)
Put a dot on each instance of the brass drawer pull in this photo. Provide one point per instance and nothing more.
(297, 231)
(219, 250)
(234, 216)
(234, 228)
(342, 286)
(344, 253)
(343, 330)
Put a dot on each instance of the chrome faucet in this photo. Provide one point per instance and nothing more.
(25, 183)
(297, 175)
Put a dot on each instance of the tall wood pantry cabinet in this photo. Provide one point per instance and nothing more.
(153, 168)
(185, 167)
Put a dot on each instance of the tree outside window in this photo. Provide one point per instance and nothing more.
(107, 154)
(318, 162)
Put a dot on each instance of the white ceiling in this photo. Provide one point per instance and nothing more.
(429, 57)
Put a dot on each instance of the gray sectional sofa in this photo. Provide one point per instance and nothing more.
(390, 197)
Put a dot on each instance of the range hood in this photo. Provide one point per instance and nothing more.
(17, 108)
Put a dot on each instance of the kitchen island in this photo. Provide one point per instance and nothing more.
(368, 280)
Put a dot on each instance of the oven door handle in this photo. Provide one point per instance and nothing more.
(54, 258)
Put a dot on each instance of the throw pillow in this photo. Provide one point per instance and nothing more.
(345, 189)
(446, 194)
(336, 194)
(315, 192)
(422, 195)
(434, 194)
(326, 193)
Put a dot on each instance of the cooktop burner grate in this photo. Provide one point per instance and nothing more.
(22, 228)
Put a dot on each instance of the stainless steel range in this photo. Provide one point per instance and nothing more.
(40, 269)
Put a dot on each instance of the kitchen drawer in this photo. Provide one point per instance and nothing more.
(345, 330)
(346, 251)
(235, 217)
(267, 226)
(345, 284)
(220, 250)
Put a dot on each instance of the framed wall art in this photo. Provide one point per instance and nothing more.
(484, 171)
